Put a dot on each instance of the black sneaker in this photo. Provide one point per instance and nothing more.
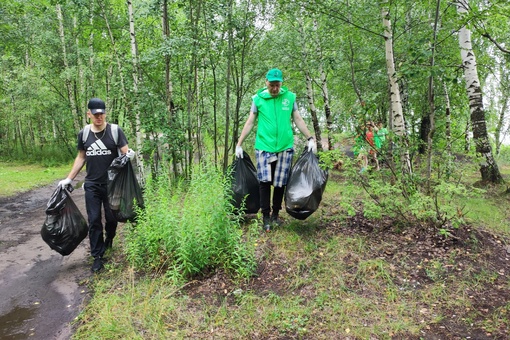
(108, 242)
(97, 265)
(267, 224)
(276, 221)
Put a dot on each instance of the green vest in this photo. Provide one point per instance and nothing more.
(274, 129)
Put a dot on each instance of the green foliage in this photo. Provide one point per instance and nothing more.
(50, 155)
(404, 198)
(504, 155)
(328, 159)
(189, 228)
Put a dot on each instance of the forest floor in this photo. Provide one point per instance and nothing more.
(469, 269)
(42, 292)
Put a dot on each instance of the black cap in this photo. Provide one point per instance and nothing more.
(96, 106)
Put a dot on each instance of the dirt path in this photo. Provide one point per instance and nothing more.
(40, 290)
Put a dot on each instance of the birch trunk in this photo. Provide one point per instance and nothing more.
(489, 170)
(309, 82)
(81, 77)
(448, 132)
(325, 97)
(168, 83)
(396, 112)
(117, 60)
(500, 134)
(327, 111)
(228, 79)
(502, 105)
(467, 136)
(168, 79)
(311, 104)
(91, 85)
(136, 73)
(70, 93)
(431, 99)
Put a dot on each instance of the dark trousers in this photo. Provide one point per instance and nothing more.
(265, 195)
(95, 198)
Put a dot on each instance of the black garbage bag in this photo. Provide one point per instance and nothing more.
(305, 186)
(64, 227)
(245, 185)
(124, 192)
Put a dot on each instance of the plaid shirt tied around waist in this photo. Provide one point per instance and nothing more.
(283, 164)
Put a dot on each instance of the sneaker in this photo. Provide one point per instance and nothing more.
(267, 224)
(108, 242)
(97, 265)
(276, 221)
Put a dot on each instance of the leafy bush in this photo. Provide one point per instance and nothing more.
(189, 228)
(404, 198)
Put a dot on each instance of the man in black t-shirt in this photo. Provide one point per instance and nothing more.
(98, 150)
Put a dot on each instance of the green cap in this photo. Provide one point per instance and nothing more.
(274, 75)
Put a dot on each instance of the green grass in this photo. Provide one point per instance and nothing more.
(16, 177)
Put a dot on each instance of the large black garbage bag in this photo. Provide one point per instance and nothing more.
(124, 192)
(64, 227)
(305, 186)
(245, 185)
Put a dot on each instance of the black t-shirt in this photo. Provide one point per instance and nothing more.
(100, 150)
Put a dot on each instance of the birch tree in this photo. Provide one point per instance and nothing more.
(499, 102)
(116, 56)
(448, 132)
(396, 112)
(136, 79)
(308, 77)
(432, 105)
(68, 84)
(489, 170)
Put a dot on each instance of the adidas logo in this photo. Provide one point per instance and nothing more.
(98, 149)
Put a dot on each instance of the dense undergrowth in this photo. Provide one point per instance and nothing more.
(190, 228)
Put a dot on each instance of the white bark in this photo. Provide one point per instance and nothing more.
(117, 58)
(81, 80)
(134, 59)
(396, 112)
(489, 171)
(396, 103)
(69, 87)
(448, 133)
(91, 50)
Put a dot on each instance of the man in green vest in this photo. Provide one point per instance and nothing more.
(274, 108)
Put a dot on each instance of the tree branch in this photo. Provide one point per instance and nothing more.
(501, 48)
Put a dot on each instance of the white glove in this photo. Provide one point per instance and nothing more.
(130, 154)
(312, 146)
(239, 152)
(64, 183)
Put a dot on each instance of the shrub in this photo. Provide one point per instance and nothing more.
(190, 228)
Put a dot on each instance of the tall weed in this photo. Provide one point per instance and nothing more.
(189, 228)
